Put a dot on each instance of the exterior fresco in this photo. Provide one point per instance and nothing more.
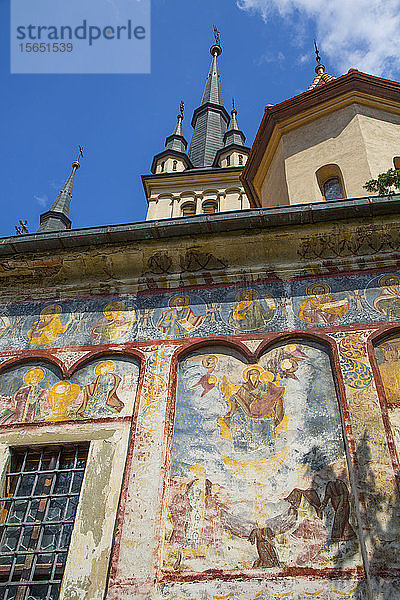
(258, 473)
(388, 358)
(33, 392)
(226, 310)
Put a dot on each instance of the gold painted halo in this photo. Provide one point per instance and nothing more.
(321, 286)
(242, 294)
(174, 299)
(110, 366)
(37, 372)
(389, 280)
(252, 368)
(115, 306)
(53, 309)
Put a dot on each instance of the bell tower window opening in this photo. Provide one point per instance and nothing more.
(174, 165)
(162, 166)
(210, 207)
(331, 182)
(228, 161)
(240, 159)
(333, 189)
(38, 508)
(188, 209)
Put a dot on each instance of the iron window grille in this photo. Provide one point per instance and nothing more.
(37, 513)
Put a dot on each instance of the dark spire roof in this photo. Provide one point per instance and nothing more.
(176, 141)
(234, 135)
(57, 217)
(321, 77)
(210, 119)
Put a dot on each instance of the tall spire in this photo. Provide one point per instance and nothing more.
(57, 217)
(176, 141)
(210, 119)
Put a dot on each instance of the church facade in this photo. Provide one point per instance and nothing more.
(206, 405)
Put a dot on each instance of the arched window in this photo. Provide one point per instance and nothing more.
(240, 159)
(209, 207)
(333, 189)
(396, 162)
(162, 166)
(331, 182)
(174, 164)
(228, 161)
(188, 209)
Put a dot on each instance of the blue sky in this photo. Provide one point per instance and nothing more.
(122, 120)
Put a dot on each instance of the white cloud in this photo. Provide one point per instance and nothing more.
(41, 199)
(363, 34)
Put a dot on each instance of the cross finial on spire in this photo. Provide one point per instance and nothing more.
(216, 49)
(318, 58)
(319, 69)
(181, 109)
(76, 163)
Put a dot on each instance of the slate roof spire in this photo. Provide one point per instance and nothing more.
(176, 141)
(57, 217)
(210, 120)
(234, 135)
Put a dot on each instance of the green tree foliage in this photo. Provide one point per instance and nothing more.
(385, 183)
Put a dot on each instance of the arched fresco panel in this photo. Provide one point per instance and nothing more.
(258, 475)
(35, 392)
(388, 357)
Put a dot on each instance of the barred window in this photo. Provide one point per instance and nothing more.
(37, 513)
(209, 207)
(188, 209)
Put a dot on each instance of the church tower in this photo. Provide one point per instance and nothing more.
(204, 179)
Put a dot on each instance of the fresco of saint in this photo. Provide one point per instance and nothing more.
(26, 404)
(47, 329)
(179, 319)
(100, 397)
(256, 408)
(388, 300)
(249, 313)
(114, 325)
(320, 307)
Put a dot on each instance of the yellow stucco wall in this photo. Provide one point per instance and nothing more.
(360, 139)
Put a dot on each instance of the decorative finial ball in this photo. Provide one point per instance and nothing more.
(216, 49)
(76, 165)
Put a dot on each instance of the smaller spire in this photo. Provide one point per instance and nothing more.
(176, 141)
(321, 77)
(234, 135)
(57, 217)
(320, 68)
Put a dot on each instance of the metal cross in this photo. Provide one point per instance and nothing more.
(80, 153)
(317, 53)
(216, 35)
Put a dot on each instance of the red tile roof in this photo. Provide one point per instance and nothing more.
(321, 80)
